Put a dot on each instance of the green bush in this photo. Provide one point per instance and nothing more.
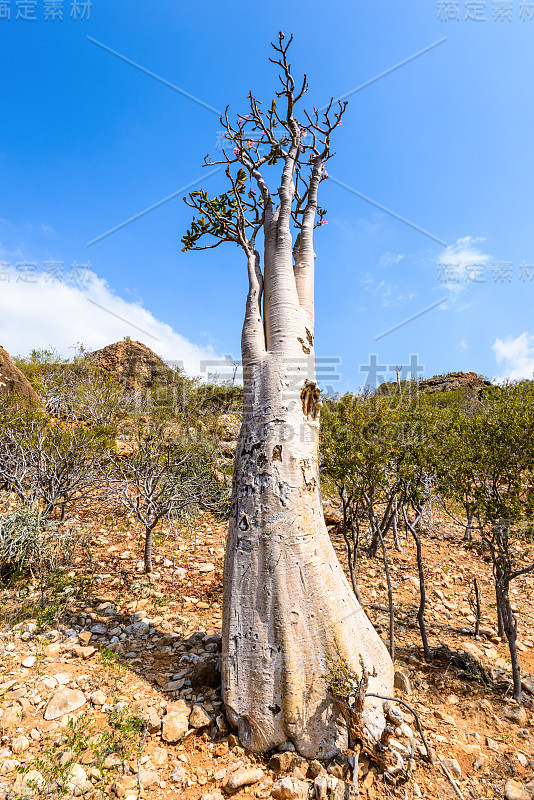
(25, 543)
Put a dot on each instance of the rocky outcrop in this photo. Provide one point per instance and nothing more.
(468, 381)
(14, 383)
(134, 364)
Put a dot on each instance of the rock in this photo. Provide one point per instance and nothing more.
(402, 682)
(63, 702)
(321, 787)
(469, 382)
(523, 760)
(333, 512)
(199, 718)
(20, 744)
(111, 761)
(159, 756)
(174, 727)
(453, 767)
(393, 713)
(137, 629)
(516, 714)
(315, 768)
(147, 779)
(152, 720)
(472, 650)
(99, 629)
(281, 762)
(492, 744)
(245, 776)
(98, 698)
(345, 791)
(289, 789)
(528, 684)
(514, 790)
(179, 776)
(77, 778)
(29, 662)
(180, 573)
(85, 637)
(12, 717)
(63, 678)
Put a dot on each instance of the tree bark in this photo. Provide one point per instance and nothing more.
(149, 532)
(288, 608)
(422, 590)
(509, 624)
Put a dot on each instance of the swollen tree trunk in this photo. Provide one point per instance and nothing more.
(288, 609)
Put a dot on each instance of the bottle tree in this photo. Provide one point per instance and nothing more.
(288, 609)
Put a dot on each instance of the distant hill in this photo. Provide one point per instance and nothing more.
(14, 383)
(134, 364)
(470, 382)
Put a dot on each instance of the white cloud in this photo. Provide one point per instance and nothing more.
(461, 264)
(462, 345)
(388, 259)
(44, 313)
(515, 356)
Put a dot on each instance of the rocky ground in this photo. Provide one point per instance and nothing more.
(110, 686)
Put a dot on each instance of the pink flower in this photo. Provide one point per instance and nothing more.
(324, 222)
(253, 191)
(325, 174)
(236, 151)
(339, 123)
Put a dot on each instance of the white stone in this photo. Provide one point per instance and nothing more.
(64, 701)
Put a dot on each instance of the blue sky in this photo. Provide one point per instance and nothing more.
(444, 141)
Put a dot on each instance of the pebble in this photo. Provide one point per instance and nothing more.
(402, 682)
(244, 777)
(20, 744)
(29, 662)
(289, 789)
(147, 779)
(199, 718)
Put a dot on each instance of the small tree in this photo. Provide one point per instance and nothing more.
(166, 474)
(47, 462)
(500, 474)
